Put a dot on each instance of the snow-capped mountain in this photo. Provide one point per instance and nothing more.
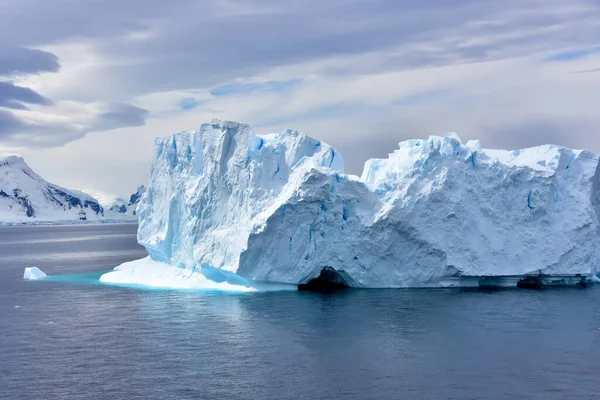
(124, 207)
(119, 205)
(27, 197)
(224, 202)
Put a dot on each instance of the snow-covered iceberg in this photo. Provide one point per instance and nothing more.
(33, 273)
(436, 212)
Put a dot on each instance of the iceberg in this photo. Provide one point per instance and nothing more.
(436, 212)
(33, 273)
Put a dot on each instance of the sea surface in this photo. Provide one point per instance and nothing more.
(68, 337)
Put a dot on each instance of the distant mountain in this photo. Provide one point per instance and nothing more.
(122, 206)
(26, 197)
(119, 205)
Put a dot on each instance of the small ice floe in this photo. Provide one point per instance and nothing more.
(33, 273)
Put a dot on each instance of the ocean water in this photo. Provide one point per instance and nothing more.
(70, 338)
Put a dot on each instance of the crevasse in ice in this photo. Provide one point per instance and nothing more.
(280, 208)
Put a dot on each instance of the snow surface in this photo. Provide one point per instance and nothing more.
(279, 208)
(33, 273)
(27, 198)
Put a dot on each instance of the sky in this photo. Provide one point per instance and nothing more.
(86, 85)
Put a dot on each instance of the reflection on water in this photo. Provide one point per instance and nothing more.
(61, 239)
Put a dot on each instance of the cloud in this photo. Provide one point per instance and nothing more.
(8, 123)
(53, 126)
(12, 96)
(188, 103)
(213, 43)
(586, 71)
(118, 116)
(15, 60)
(28, 119)
(226, 90)
(574, 54)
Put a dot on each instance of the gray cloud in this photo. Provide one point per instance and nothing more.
(12, 96)
(118, 116)
(229, 46)
(52, 22)
(204, 43)
(586, 71)
(19, 131)
(15, 130)
(16, 60)
(8, 123)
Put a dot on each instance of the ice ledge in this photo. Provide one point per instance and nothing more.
(149, 273)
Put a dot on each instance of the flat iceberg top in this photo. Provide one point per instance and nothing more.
(279, 208)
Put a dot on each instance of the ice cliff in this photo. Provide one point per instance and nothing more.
(280, 208)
